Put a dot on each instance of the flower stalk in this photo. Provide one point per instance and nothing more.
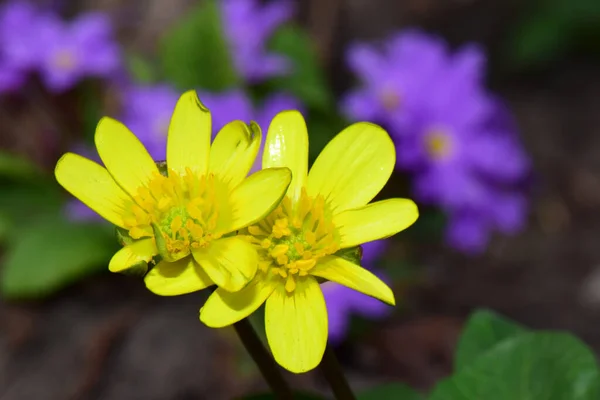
(267, 366)
(335, 376)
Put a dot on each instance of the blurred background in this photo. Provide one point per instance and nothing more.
(494, 107)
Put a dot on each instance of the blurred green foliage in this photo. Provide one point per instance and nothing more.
(194, 52)
(552, 29)
(307, 80)
(42, 251)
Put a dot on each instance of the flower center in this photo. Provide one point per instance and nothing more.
(64, 60)
(179, 211)
(291, 240)
(390, 99)
(438, 144)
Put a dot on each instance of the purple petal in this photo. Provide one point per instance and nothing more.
(468, 232)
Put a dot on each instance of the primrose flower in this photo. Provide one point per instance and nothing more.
(72, 51)
(454, 136)
(19, 45)
(324, 211)
(180, 217)
(343, 302)
(248, 25)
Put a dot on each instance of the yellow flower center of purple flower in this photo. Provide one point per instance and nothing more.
(390, 100)
(180, 211)
(64, 59)
(291, 241)
(438, 144)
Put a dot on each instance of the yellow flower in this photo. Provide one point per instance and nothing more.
(187, 214)
(324, 211)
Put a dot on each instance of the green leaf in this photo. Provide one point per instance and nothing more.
(13, 166)
(270, 396)
(307, 79)
(195, 54)
(390, 391)
(53, 253)
(23, 203)
(529, 366)
(484, 330)
(141, 69)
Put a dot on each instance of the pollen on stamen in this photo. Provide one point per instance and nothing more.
(179, 211)
(291, 240)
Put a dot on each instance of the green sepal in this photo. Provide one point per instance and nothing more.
(352, 254)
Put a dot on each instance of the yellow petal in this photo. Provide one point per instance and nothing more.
(124, 155)
(287, 146)
(234, 150)
(230, 262)
(353, 167)
(375, 221)
(188, 141)
(296, 325)
(128, 256)
(175, 278)
(224, 308)
(255, 198)
(93, 185)
(354, 276)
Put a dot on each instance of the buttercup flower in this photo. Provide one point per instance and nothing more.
(248, 25)
(181, 219)
(324, 211)
(235, 104)
(343, 302)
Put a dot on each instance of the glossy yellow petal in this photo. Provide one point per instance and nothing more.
(93, 185)
(175, 278)
(224, 308)
(128, 256)
(355, 277)
(375, 221)
(296, 325)
(255, 198)
(230, 262)
(188, 142)
(353, 167)
(287, 146)
(234, 150)
(124, 155)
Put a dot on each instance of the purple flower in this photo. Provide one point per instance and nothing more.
(81, 48)
(19, 44)
(454, 136)
(147, 113)
(342, 302)
(248, 25)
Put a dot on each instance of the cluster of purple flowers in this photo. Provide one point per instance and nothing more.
(452, 134)
(61, 52)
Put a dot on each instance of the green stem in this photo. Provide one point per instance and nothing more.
(267, 366)
(335, 376)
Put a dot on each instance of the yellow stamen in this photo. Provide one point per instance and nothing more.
(292, 239)
(182, 208)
